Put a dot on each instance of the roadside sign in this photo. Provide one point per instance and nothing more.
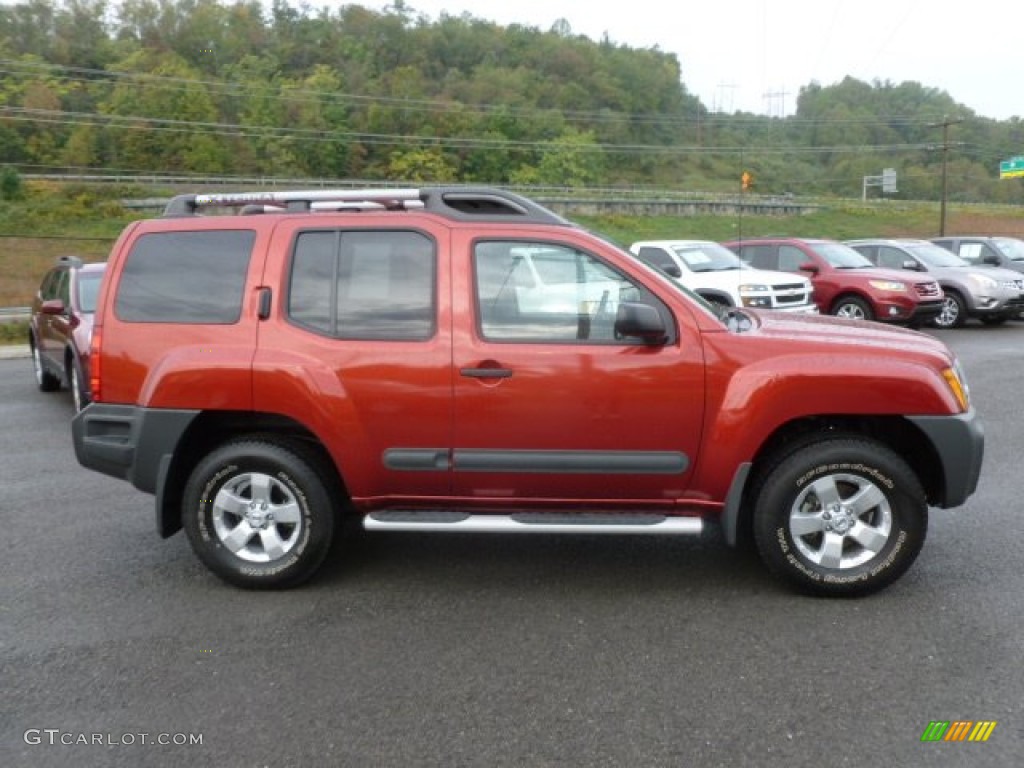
(889, 181)
(1012, 168)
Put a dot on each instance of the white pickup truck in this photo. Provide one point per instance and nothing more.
(719, 276)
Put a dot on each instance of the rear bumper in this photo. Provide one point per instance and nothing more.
(128, 442)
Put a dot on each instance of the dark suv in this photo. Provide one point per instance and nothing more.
(60, 327)
(465, 360)
(845, 283)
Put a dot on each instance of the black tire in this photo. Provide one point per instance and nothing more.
(808, 533)
(45, 380)
(77, 384)
(853, 308)
(229, 508)
(954, 311)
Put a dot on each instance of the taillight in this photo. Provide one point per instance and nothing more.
(95, 363)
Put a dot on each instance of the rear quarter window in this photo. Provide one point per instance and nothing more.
(185, 277)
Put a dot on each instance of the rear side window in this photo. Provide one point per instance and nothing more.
(364, 284)
(185, 277)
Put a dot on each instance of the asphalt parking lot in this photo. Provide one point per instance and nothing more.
(464, 650)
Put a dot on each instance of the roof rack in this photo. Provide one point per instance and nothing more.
(460, 203)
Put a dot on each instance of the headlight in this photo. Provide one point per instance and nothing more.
(888, 285)
(983, 281)
(957, 382)
(753, 288)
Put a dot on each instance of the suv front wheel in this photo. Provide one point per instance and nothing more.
(844, 516)
(853, 308)
(954, 311)
(258, 513)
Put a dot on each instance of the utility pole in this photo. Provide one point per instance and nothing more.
(946, 122)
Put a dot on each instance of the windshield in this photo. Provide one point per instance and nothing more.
(935, 255)
(842, 256)
(88, 290)
(1012, 247)
(708, 257)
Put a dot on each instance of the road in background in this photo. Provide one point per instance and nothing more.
(466, 650)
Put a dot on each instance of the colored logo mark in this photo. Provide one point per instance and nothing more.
(958, 730)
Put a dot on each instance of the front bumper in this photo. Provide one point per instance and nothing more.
(959, 442)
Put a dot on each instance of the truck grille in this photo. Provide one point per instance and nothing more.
(790, 294)
(928, 290)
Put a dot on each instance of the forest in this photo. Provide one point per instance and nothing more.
(249, 89)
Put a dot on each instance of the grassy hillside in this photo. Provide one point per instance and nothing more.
(53, 220)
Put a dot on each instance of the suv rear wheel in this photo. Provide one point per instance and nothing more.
(45, 380)
(840, 517)
(258, 513)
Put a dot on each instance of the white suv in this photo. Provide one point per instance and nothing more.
(719, 276)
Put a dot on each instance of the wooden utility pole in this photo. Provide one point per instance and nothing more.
(944, 124)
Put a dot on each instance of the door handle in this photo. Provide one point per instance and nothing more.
(486, 373)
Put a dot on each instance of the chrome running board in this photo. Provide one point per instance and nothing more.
(533, 522)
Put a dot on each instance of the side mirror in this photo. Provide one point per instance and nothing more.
(52, 307)
(809, 266)
(672, 270)
(911, 264)
(640, 321)
(990, 258)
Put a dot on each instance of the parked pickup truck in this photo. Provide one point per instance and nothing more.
(451, 359)
(719, 276)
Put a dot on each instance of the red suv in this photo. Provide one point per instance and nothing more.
(60, 327)
(459, 359)
(845, 282)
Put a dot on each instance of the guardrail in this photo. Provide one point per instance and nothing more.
(14, 313)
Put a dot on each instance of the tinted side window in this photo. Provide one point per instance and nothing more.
(657, 258)
(760, 256)
(48, 288)
(791, 258)
(891, 258)
(364, 285)
(185, 277)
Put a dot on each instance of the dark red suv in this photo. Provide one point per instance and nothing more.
(60, 327)
(845, 282)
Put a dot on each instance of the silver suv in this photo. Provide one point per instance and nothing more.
(991, 294)
(982, 251)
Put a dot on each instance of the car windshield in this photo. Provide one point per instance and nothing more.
(1012, 247)
(88, 290)
(935, 255)
(708, 257)
(842, 256)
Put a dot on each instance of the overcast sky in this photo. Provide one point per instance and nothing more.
(754, 55)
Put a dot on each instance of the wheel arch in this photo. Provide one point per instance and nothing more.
(895, 432)
(852, 293)
(211, 429)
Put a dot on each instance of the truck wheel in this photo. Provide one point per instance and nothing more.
(45, 380)
(854, 308)
(258, 513)
(954, 311)
(840, 517)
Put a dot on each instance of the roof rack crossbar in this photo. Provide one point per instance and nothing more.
(454, 202)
